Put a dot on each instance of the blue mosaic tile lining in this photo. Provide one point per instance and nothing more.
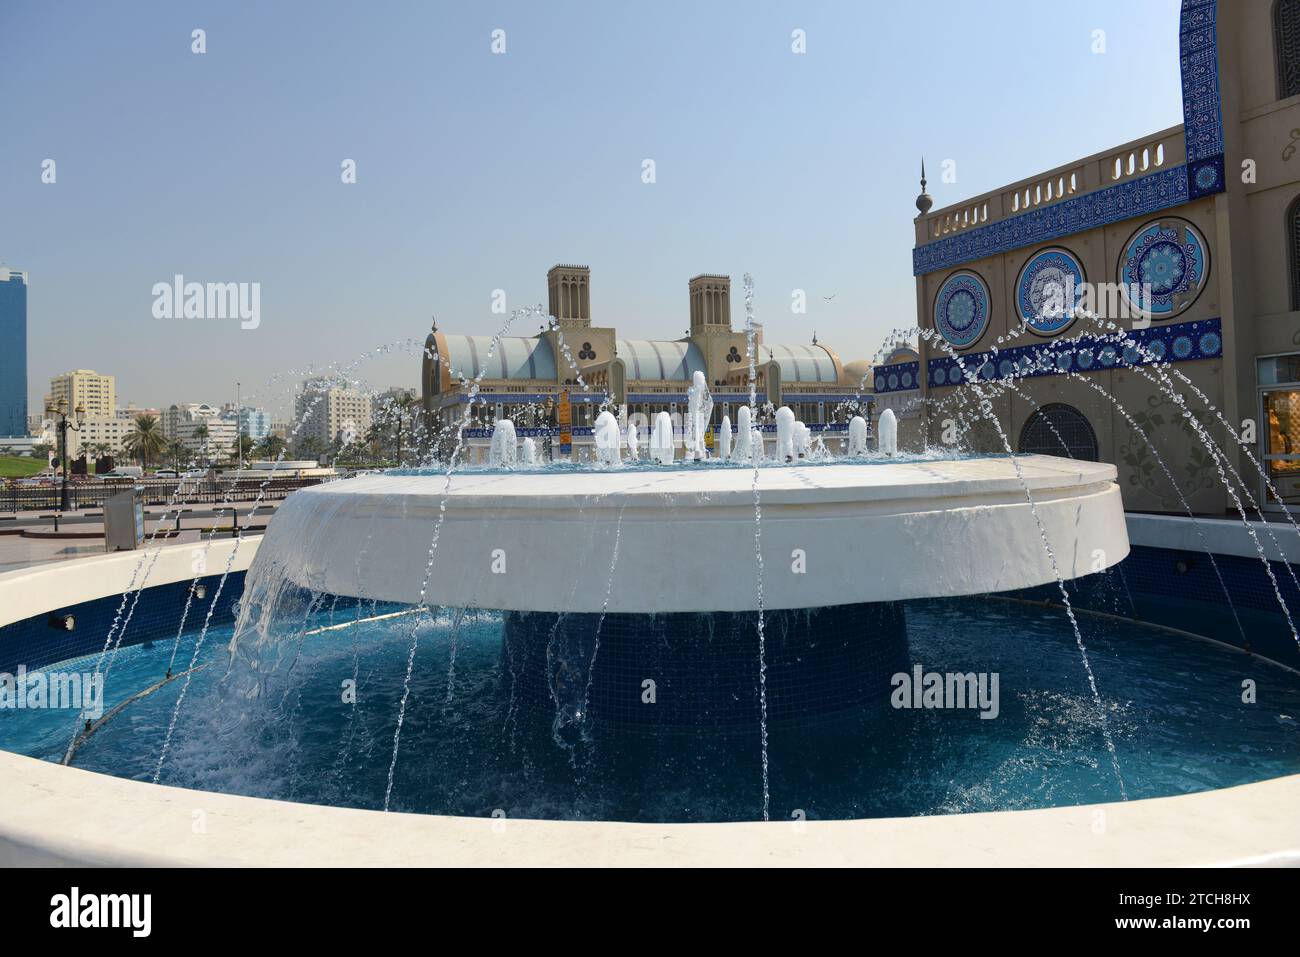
(704, 667)
(898, 378)
(1181, 342)
(36, 642)
(1180, 589)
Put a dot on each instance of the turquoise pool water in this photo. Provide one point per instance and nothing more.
(1174, 707)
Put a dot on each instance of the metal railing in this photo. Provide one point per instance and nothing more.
(92, 493)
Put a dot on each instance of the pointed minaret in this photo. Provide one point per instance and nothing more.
(924, 202)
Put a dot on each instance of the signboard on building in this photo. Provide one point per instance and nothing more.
(565, 420)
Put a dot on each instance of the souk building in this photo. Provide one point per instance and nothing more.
(1207, 213)
(523, 377)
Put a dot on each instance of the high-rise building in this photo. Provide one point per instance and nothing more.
(254, 423)
(201, 429)
(99, 435)
(95, 393)
(175, 416)
(331, 413)
(13, 352)
(208, 439)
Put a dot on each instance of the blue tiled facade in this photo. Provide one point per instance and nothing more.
(1184, 342)
(1136, 197)
(1202, 175)
(1178, 342)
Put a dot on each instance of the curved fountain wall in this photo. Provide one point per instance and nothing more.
(36, 603)
(58, 815)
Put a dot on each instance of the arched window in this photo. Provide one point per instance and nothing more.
(1293, 246)
(1286, 38)
(1059, 429)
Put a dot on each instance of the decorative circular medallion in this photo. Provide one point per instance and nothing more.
(961, 310)
(1164, 268)
(1048, 290)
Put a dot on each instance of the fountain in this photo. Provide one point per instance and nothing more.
(661, 439)
(699, 408)
(970, 516)
(888, 441)
(721, 629)
(633, 441)
(503, 448)
(785, 429)
(658, 610)
(744, 451)
(857, 436)
(607, 438)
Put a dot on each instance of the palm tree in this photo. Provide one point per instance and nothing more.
(407, 407)
(312, 447)
(200, 435)
(145, 441)
(95, 451)
(270, 447)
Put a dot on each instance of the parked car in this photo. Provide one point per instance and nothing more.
(123, 472)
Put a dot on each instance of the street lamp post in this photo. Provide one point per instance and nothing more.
(61, 410)
(239, 425)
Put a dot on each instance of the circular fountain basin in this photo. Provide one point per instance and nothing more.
(684, 540)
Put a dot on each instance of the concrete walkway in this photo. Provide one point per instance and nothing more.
(20, 551)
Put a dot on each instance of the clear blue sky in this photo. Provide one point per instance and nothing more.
(478, 171)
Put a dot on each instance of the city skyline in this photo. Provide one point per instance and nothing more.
(476, 170)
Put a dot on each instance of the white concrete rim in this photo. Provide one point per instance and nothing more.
(40, 589)
(53, 815)
(545, 541)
